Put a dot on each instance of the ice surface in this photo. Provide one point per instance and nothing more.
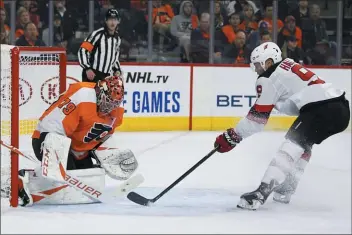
(205, 202)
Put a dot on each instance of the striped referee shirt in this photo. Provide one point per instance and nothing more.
(100, 51)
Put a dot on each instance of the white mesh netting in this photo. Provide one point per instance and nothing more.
(5, 128)
(39, 73)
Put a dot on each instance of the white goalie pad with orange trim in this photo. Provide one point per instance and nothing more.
(55, 150)
(49, 192)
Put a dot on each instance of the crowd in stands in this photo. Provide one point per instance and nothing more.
(181, 29)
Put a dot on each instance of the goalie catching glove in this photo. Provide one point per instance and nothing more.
(227, 140)
(118, 164)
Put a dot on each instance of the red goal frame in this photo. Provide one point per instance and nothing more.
(16, 53)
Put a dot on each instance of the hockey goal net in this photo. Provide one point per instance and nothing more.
(31, 79)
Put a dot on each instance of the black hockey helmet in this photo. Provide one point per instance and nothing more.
(112, 13)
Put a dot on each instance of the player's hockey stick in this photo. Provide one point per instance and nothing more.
(125, 187)
(137, 198)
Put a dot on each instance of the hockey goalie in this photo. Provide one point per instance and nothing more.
(73, 145)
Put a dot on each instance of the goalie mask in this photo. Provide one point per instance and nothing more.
(110, 93)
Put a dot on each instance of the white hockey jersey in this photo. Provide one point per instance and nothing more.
(287, 87)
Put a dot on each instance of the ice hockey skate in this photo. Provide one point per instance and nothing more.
(253, 200)
(284, 192)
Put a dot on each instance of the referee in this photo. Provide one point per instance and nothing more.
(99, 52)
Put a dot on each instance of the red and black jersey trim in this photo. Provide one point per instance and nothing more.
(260, 113)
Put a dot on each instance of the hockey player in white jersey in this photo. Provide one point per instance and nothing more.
(290, 88)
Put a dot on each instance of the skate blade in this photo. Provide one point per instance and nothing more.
(243, 204)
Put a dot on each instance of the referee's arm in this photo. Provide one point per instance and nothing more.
(85, 51)
(116, 67)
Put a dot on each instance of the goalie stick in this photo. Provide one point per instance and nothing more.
(137, 198)
(122, 189)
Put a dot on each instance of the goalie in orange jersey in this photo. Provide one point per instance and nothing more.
(87, 113)
(72, 132)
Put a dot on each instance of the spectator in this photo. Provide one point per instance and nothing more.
(220, 16)
(58, 33)
(162, 16)
(5, 29)
(23, 19)
(30, 36)
(268, 17)
(141, 5)
(235, 24)
(237, 52)
(301, 12)
(4, 36)
(322, 54)
(68, 20)
(105, 5)
(265, 36)
(291, 50)
(238, 6)
(201, 6)
(249, 23)
(313, 29)
(224, 3)
(200, 41)
(282, 5)
(182, 26)
(175, 5)
(254, 39)
(32, 7)
(133, 30)
(290, 29)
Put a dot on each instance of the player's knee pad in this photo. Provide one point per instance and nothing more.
(288, 153)
(283, 163)
(55, 150)
(291, 149)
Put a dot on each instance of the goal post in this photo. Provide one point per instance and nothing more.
(31, 79)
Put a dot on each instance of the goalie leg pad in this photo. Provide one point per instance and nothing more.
(118, 164)
(55, 150)
(50, 192)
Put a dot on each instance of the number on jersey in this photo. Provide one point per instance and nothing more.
(303, 73)
(67, 106)
(259, 90)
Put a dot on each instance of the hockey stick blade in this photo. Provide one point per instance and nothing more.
(136, 198)
(129, 185)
